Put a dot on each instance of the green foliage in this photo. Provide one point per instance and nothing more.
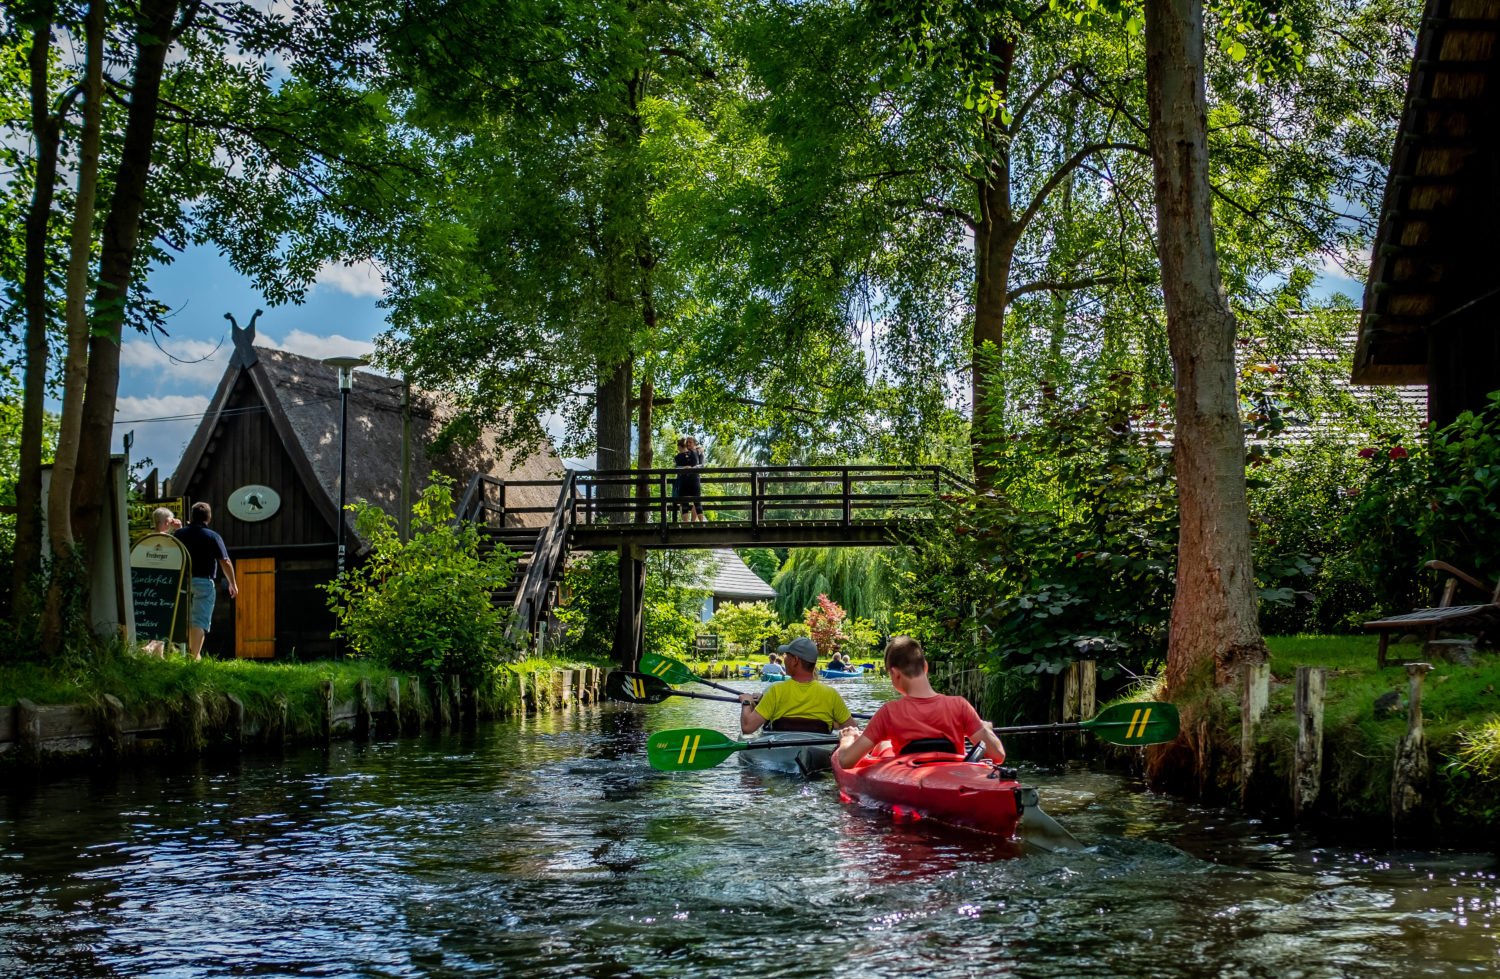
(1073, 557)
(1438, 501)
(857, 578)
(672, 603)
(745, 626)
(424, 605)
(825, 624)
(763, 561)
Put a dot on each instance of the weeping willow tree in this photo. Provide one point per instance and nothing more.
(858, 578)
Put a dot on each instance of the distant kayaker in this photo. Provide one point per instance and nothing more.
(838, 663)
(801, 704)
(773, 667)
(919, 714)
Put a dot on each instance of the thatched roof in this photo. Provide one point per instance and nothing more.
(1433, 254)
(732, 580)
(302, 399)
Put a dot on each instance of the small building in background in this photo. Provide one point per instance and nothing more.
(266, 458)
(731, 580)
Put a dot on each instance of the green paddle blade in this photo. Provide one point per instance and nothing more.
(1134, 724)
(689, 749)
(667, 670)
(635, 688)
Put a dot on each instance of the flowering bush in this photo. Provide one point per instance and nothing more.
(825, 625)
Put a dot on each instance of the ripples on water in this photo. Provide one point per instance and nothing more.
(547, 847)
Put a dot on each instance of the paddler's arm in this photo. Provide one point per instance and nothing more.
(750, 719)
(853, 746)
(993, 749)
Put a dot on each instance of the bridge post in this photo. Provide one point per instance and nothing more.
(630, 626)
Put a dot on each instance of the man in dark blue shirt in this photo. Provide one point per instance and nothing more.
(208, 554)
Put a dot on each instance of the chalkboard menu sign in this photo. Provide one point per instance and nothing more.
(159, 566)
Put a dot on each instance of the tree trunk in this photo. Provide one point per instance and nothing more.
(153, 36)
(645, 456)
(613, 419)
(75, 364)
(994, 248)
(1213, 610)
(46, 127)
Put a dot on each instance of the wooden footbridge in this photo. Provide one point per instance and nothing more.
(632, 511)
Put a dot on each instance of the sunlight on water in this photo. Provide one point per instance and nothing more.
(547, 847)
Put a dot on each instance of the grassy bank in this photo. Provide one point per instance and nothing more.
(145, 682)
(1460, 707)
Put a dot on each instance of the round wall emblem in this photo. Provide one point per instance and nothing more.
(252, 503)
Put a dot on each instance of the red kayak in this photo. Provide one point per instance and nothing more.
(935, 785)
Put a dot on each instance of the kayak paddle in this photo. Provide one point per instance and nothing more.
(1128, 724)
(671, 671)
(641, 688)
(692, 749)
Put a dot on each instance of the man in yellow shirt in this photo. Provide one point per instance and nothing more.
(799, 704)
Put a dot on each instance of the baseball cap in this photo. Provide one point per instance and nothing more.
(802, 647)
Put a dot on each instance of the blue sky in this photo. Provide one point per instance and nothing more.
(340, 316)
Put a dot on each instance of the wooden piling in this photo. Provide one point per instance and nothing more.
(112, 727)
(1255, 694)
(327, 727)
(236, 712)
(1413, 769)
(562, 688)
(455, 701)
(442, 718)
(390, 718)
(1307, 772)
(277, 733)
(362, 725)
(196, 720)
(411, 720)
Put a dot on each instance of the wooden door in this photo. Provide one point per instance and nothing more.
(255, 609)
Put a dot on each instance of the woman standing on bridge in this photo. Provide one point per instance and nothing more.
(689, 489)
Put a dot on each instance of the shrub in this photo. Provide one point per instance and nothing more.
(672, 603)
(423, 605)
(825, 625)
(745, 626)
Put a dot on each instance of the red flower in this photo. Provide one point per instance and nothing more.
(1397, 452)
(1367, 453)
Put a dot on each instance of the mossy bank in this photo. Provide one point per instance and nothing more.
(124, 704)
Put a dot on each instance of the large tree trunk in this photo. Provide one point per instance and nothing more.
(1213, 611)
(75, 364)
(994, 249)
(46, 127)
(613, 419)
(153, 36)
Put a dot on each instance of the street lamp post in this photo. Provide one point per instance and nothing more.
(345, 367)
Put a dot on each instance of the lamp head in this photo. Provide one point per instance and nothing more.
(346, 367)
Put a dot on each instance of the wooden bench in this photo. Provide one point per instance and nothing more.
(1446, 615)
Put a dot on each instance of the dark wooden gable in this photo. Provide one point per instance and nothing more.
(245, 447)
(1432, 301)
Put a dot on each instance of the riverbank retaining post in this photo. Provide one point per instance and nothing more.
(113, 726)
(362, 710)
(390, 718)
(327, 688)
(1413, 769)
(236, 711)
(1255, 693)
(1307, 771)
(411, 721)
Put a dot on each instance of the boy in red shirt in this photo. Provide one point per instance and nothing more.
(921, 712)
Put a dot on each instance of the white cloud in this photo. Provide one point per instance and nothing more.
(358, 279)
(192, 362)
(162, 426)
(318, 347)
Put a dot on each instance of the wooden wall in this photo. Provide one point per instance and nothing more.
(246, 449)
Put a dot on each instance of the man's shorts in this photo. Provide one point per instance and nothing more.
(203, 603)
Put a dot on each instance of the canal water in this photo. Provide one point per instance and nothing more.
(546, 847)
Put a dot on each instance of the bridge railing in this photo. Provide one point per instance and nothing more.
(546, 562)
(752, 495)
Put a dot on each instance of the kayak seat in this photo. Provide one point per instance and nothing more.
(923, 746)
(805, 725)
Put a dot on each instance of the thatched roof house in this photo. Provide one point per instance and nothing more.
(1433, 295)
(273, 424)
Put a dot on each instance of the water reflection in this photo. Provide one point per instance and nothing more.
(546, 847)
